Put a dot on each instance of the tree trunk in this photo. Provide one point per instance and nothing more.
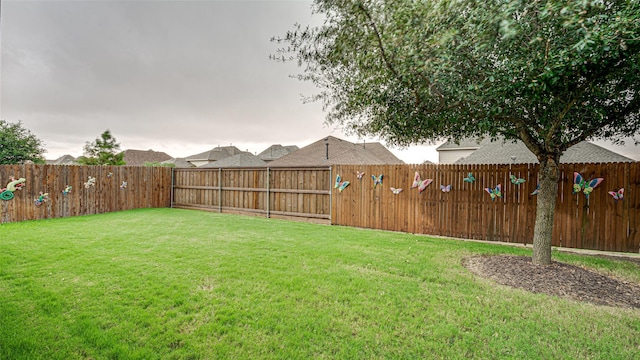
(546, 205)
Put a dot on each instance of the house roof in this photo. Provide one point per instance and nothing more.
(243, 159)
(140, 157)
(339, 151)
(63, 160)
(381, 152)
(464, 144)
(217, 153)
(179, 163)
(505, 152)
(276, 151)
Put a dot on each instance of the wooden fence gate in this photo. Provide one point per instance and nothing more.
(271, 192)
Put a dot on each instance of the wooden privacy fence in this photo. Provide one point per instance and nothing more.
(467, 211)
(145, 187)
(272, 192)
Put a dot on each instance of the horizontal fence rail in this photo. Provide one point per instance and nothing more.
(467, 210)
(68, 196)
(271, 192)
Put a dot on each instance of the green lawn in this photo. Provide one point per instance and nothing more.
(180, 284)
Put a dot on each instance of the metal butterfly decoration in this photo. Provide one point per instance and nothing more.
(535, 192)
(617, 195)
(396, 191)
(470, 178)
(446, 188)
(41, 199)
(580, 184)
(90, 182)
(377, 180)
(419, 183)
(359, 175)
(340, 185)
(516, 180)
(495, 192)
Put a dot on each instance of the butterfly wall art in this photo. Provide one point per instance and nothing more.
(580, 184)
(515, 180)
(376, 180)
(446, 188)
(535, 192)
(359, 175)
(617, 195)
(470, 178)
(495, 192)
(395, 191)
(340, 185)
(419, 183)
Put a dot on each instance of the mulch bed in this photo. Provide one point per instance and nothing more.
(558, 279)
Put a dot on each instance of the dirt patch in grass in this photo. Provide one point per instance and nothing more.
(558, 279)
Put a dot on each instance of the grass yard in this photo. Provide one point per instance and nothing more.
(180, 284)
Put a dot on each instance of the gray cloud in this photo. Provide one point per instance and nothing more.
(176, 72)
(174, 76)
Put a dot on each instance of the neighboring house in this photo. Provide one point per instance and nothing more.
(140, 157)
(215, 154)
(276, 151)
(331, 150)
(63, 160)
(450, 152)
(243, 159)
(506, 152)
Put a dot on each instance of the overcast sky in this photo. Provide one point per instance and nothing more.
(175, 76)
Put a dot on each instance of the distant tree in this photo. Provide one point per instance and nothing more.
(18, 145)
(549, 73)
(103, 151)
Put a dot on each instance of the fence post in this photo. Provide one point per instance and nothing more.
(330, 195)
(172, 184)
(268, 192)
(220, 190)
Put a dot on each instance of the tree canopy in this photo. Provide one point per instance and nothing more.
(18, 144)
(103, 151)
(550, 73)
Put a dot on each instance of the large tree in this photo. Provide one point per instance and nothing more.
(18, 144)
(103, 151)
(550, 73)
